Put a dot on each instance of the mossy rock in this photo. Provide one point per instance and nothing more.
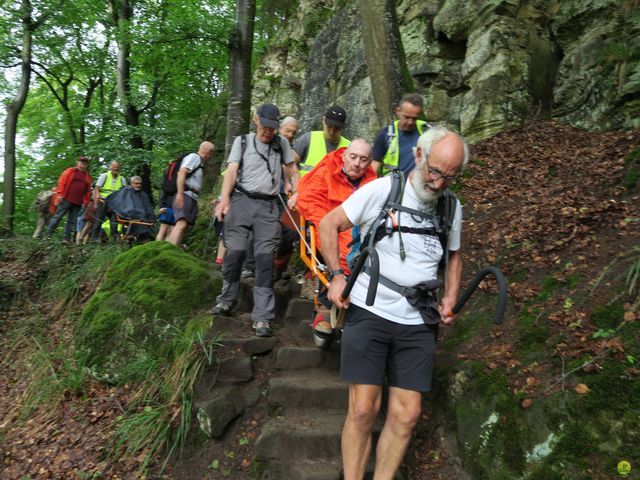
(146, 292)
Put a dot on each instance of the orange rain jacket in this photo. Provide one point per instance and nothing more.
(323, 189)
(64, 182)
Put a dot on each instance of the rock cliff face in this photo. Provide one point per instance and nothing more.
(482, 65)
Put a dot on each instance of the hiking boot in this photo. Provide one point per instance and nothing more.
(263, 329)
(66, 241)
(322, 332)
(221, 309)
(247, 273)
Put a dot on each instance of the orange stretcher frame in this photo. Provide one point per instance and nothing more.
(310, 258)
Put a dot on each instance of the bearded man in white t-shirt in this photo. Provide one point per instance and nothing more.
(392, 337)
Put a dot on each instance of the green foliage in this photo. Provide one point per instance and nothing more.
(146, 292)
(607, 316)
(159, 416)
(178, 59)
(633, 275)
(532, 330)
(52, 374)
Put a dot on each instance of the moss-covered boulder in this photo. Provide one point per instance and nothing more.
(561, 436)
(147, 292)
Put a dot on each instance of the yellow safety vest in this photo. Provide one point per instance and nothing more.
(392, 157)
(107, 189)
(317, 151)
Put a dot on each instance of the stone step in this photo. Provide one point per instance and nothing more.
(309, 388)
(301, 434)
(248, 345)
(322, 469)
(298, 309)
(295, 358)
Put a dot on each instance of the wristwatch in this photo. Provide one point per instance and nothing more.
(333, 273)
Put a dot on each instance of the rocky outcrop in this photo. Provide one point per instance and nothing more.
(482, 66)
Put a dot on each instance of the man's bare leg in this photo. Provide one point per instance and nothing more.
(178, 231)
(402, 415)
(364, 404)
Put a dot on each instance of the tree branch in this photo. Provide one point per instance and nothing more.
(191, 37)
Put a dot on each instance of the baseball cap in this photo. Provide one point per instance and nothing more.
(269, 115)
(336, 116)
(84, 159)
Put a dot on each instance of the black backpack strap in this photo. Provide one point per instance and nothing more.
(378, 228)
(446, 211)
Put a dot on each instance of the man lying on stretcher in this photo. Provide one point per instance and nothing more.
(331, 182)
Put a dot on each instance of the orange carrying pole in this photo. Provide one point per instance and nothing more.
(310, 257)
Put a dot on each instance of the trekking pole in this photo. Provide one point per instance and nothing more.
(322, 267)
(206, 240)
(502, 292)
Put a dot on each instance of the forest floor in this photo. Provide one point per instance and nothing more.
(546, 202)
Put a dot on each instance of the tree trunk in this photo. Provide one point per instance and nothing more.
(13, 112)
(386, 64)
(240, 50)
(123, 15)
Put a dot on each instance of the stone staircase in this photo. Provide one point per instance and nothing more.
(294, 384)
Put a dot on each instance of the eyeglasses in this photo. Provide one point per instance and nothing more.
(436, 174)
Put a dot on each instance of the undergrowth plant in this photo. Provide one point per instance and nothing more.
(53, 373)
(633, 276)
(160, 411)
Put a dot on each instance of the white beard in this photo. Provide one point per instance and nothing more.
(426, 196)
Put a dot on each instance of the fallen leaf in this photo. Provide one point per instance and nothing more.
(581, 388)
(526, 403)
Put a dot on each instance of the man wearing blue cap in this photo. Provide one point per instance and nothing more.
(249, 202)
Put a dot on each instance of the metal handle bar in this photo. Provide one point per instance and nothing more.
(502, 292)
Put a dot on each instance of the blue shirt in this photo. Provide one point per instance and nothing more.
(406, 142)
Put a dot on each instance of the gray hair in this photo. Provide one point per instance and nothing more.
(135, 178)
(288, 119)
(432, 136)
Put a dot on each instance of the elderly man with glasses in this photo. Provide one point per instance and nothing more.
(395, 337)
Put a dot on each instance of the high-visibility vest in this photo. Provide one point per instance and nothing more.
(107, 189)
(391, 159)
(318, 150)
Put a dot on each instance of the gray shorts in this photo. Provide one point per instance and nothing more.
(373, 346)
(188, 212)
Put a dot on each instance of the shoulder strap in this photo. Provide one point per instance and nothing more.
(395, 195)
(445, 211)
(243, 148)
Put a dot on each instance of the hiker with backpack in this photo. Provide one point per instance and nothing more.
(188, 182)
(393, 336)
(249, 202)
(393, 145)
(331, 182)
(167, 191)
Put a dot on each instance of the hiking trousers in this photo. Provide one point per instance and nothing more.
(62, 209)
(262, 218)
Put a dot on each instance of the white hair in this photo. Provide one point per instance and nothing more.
(135, 178)
(287, 120)
(432, 136)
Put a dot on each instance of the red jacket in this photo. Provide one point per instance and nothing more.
(323, 189)
(64, 182)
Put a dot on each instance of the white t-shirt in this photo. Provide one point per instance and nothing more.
(423, 252)
(193, 181)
